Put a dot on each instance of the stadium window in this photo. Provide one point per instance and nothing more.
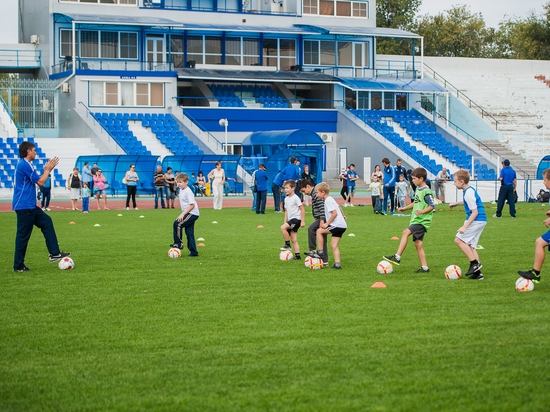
(111, 94)
(287, 53)
(131, 94)
(195, 49)
(109, 45)
(89, 43)
(326, 8)
(270, 52)
(127, 93)
(142, 94)
(311, 52)
(128, 45)
(345, 50)
(67, 43)
(233, 51)
(97, 94)
(176, 50)
(311, 6)
(251, 51)
(212, 50)
(389, 101)
(343, 8)
(359, 9)
(328, 53)
(157, 94)
(376, 100)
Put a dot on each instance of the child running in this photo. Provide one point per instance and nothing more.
(186, 220)
(421, 219)
(540, 243)
(85, 195)
(318, 211)
(335, 224)
(295, 217)
(468, 234)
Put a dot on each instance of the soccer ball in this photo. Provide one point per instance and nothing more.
(385, 267)
(66, 263)
(285, 255)
(524, 285)
(453, 272)
(174, 252)
(313, 263)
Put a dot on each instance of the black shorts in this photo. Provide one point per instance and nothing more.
(337, 231)
(294, 225)
(418, 231)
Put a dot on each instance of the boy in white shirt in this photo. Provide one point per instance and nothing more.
(295, 217)
(189, 214)
(335, 224)
(402, 190)
(375, 187)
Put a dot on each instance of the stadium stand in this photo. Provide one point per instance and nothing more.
(233, 95)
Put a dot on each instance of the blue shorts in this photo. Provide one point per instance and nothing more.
(546, 237)
(351, 189)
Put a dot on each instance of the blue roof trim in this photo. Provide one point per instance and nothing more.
(124, 20)
(283, 137)
(361, 31)
(398, 85)
(259, 29)
(115, 73)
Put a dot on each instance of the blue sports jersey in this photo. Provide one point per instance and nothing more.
(351, 174)
(481, 216)
(24, 193)
(291, 172)
(261, 180)
(508, 175)
(389, 176)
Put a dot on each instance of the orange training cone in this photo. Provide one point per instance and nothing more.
(378, 285)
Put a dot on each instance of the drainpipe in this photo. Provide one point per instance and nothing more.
(74, 60)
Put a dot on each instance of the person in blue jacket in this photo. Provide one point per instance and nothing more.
(508, 183)
(290, 172)
(388, 185)
(261, 189)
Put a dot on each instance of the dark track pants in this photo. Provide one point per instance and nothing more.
(187, 224)
(506, 192)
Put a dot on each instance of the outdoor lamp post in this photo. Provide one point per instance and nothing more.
(224, 122)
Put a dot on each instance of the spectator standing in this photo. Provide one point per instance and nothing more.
(159, 187)
(261, 189)
(413, 187)
(28, 214)
(217, 178)
(99, 184)
(400, 170)
(85, 194)
(375, 187)
(508, 184)
(344, 179)
(254, 190)
(86, 174)
(441, 178)
(46, 191)
(170, 188)
(389, 186)
(351, 176)
(74, 184)
(227, 187)
(93, 172)
(201, 184)
(402, 190)
(306, 175)
(377, 172)
(192, 183)
(131, 178)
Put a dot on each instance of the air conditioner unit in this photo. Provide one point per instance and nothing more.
(65, 88)
(34, 39)
(327, 137)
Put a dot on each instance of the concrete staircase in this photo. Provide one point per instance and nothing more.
(528, 168)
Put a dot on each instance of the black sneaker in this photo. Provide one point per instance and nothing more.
(477, 276)
(422, 270)
(286, 247)
(319, 254)
(474, 267)
(325, 262)
(530, 274)
(59, 256)
(336, 266)
(310, 253)
(177, 245)
(393, 259)
(22, 269)
(295, 258)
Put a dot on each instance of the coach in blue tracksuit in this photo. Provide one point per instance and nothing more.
(28, 214)
(389, 185)
(507, 189)
(290, 172)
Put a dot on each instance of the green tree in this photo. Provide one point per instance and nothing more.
(396, 14)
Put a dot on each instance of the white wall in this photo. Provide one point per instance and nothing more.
(9, 22)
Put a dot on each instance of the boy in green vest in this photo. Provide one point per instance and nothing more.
(421, 219)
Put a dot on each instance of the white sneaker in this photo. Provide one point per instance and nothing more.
(48, 209)
(127, 208)
(350, 205)
(345, 205)
(136, 208)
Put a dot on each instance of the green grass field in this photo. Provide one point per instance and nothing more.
(237, 329)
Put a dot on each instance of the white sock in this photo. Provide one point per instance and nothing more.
(425, 267)
(397, 256)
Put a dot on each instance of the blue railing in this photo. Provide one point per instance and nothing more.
(8, 111)
(359, 72)
(103, 127)
(309, 103)
(20, 58)
(203, 129)
(121, 65)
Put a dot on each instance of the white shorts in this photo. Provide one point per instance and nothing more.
(75, 194)
(472, 233)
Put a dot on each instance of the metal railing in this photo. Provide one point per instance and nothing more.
(349, 71)
(20, 58)
(91, 114)
(8, 111)
(219, 145)
(179, 5)
(324, 104)
(123, 65)
(461, 96)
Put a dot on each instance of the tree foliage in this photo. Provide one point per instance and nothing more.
(396, 14)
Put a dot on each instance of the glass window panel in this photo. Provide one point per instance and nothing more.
(128, 45)
(251, 47)
(67, 43)
(388, 101)
(328, 54)
(270, 61)
(209, 59)
(233, 45)
(157, 94)
(310, 6)
(109, 45)
(194, 44)
(89, 44)
(197, 58)
(286, 64)
(233, 60)
(343, 8)
(96, 94)
(107, 1)
(270, 47)
(213, 45)
(142, 94)
(176, 44)
(360, 9)
(111, 94)
(287, 47)
(376, 100)
(88, 1)
(127, 94)
(326, 8)
(345, 50)
(251, 61)
(311, 52)
(127, 2)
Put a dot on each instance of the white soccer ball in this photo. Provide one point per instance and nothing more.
(66, 263)
(313, 263)
(285, 255)
(524, 285)
(453, 272)
(174, 252)
(385, 267)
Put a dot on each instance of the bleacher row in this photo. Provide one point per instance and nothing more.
(423, 131)
(9, 157)
(264, 95)
(163, 125)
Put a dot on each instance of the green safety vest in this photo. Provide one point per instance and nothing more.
(420, 204)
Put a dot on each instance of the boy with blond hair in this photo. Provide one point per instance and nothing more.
(335, 225)
(421, 219)
(468, 234)
(295, 218)
(186, 220)
(541, 243)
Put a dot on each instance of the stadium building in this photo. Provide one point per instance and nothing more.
(189, 82)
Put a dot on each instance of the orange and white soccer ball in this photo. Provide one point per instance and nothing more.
(66, 263)
(453, 272)
(285, 255)
(174, 253)
(313, 263)
(524, 285)
(384, 267)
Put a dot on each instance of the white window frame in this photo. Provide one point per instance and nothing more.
(78, 44)
(119, 94)
(366, 3)
(99, 3)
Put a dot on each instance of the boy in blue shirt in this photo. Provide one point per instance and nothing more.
(28, 214)
(261, 189)
(468, 234)
(351, 178)
(541, 243)
(85, 194)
